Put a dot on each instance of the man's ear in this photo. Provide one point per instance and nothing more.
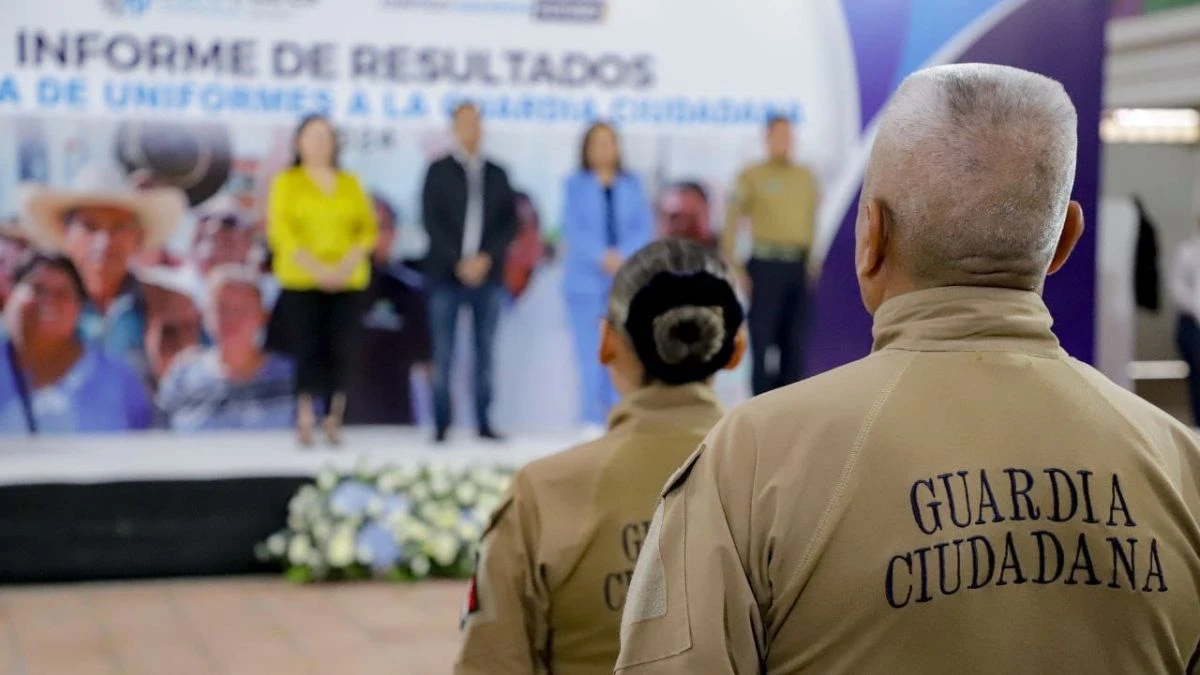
(608, 343)
(873, 242)
(739, 350)
(1071, 232)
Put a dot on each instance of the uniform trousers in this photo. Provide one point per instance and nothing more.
(778, 320)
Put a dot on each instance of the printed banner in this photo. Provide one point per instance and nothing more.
(102, 99)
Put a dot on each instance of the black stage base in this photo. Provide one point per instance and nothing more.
(156, 504)
(138, 529)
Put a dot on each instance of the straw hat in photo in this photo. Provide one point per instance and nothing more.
(44, 208)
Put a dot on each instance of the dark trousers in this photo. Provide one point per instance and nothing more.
(445, 300)
(778, 319)
(318, 327)
(1187, 337)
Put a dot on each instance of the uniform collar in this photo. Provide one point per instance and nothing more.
(963, 318)
(660, 405)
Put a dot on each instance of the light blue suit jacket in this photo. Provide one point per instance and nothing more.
(584, 231)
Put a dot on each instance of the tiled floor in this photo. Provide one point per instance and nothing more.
(229, 627)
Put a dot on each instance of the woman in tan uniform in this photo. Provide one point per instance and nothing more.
(556, 561)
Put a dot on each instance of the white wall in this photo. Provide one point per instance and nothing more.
(1167, 178)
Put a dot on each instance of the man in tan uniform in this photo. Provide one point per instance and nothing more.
(966, 499)
(777, 199)
(555, 564)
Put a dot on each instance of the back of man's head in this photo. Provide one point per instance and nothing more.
(973, 167)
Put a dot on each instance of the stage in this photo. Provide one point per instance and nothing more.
(163, 505)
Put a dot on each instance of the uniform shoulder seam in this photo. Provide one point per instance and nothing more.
(1159, 453)
(848, 468)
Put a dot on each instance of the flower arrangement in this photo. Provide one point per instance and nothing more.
(401, 523)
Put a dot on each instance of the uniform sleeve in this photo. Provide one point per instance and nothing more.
(368, 232)
(692, 605)
(739, 203)
(505, 621)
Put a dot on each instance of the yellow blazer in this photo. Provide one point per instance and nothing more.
(302, 216)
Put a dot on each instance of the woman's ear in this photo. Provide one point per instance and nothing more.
(608, 343)
(739, 350)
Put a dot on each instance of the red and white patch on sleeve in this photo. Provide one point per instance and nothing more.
(471, 606)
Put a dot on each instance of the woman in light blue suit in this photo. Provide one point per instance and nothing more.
(606, 218)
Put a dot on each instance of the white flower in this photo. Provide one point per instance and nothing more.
(277, 545)
(420, 566)
(479, 515)
(468, 530)
(322, 529)
(443, 548)
(486, 505)
(389, 482)
(398, 520)
(466, 493)
(419, 492)
(416, 531)
(300, 549)
(327, 480)
(439, 484)
(446, 517)
(315, 560)
(341, 548)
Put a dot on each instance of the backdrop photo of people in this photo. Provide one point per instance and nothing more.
(166, 226)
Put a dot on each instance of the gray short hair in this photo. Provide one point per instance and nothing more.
(975, 164)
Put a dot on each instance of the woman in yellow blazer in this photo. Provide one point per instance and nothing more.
(321, 228)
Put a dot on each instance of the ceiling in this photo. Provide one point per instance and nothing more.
(1154, 60)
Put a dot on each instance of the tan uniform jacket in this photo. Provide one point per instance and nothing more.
(555, 566)
(967, 499)
(780, 201)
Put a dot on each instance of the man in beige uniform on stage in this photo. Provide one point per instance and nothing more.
(966, 499)
(777, 200)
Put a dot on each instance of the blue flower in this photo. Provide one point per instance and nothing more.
(350, 499)
(384, 551)
(393, 504)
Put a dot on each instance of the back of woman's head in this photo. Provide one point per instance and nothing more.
(675, 302)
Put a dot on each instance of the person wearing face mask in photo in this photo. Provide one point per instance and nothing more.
(50, 380)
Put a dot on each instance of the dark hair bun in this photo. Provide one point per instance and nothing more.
(683, 326)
